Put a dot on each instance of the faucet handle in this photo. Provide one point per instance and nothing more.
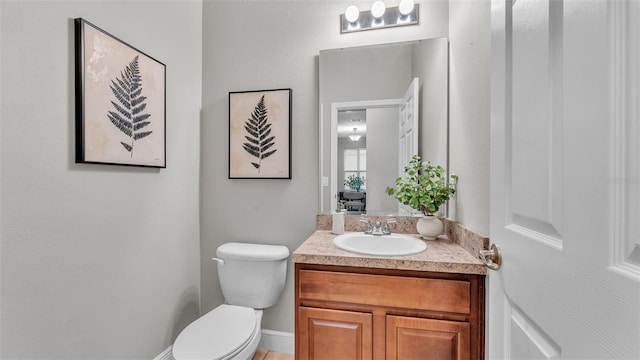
(385, 227)
(369, 229)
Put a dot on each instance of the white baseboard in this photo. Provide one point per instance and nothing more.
(271, 340)
(165, 355)
(277, 341)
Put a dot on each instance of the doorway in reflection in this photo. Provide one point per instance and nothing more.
(371, 156)
(352, 160)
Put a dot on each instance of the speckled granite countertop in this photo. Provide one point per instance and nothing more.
(442, 255)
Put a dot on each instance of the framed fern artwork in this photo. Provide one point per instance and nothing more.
(260, 134)
(120, 101)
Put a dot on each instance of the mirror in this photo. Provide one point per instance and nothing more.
(363, 88)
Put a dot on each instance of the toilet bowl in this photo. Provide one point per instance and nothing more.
(252, 277)
(226, 332)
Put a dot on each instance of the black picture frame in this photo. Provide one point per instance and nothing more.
(120, 95)
(260, 134)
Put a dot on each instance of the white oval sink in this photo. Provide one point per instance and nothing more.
(386, 245)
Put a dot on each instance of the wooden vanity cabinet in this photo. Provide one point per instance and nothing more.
(365, 313)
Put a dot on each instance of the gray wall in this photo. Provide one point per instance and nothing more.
(470, 41)
(98, 262)
(265, 45)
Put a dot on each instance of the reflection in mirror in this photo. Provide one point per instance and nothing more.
(363, 160)
(361, 93)
(352, 150)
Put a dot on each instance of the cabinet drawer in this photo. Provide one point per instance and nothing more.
(392, 291)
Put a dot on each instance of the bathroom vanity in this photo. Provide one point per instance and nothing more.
(353, 306)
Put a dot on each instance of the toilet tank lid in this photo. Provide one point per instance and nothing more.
(252, 252)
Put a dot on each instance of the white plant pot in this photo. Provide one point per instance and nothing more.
(430, 227)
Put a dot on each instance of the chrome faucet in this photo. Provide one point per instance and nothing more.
(377, 228)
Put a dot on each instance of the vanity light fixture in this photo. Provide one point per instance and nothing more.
(380, 16)
(354, 137)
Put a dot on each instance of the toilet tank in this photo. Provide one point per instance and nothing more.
(252, 275)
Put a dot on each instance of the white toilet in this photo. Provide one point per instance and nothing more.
(252, 277)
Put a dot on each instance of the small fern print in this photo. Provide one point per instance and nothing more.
(128, 114)
(260, 144)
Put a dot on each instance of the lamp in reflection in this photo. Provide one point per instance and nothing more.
(379, 17)
(355, 137)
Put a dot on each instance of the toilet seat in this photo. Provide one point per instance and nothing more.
(220, 334)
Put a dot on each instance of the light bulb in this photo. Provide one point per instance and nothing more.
(354, 137)
(406, 7)
(352, 13)
(377, 9)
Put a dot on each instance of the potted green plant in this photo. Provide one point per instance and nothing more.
(354, 182)
(423, 188)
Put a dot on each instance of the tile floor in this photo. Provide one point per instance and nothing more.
(271, 355)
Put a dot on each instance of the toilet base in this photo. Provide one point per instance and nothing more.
(243, 353)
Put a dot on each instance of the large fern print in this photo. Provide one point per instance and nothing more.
(128, 115)
(259, 142)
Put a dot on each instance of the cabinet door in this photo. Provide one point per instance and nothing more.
(333, 334)
(427, 339)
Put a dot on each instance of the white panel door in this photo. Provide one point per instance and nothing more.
(408, 118)
(564, 180)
